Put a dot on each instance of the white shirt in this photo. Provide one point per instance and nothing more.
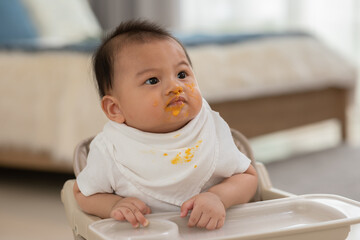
(162, 170)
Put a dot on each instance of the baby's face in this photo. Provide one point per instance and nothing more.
(156, 86)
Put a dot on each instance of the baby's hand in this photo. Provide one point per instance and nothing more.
(132, 210)
(208, 211)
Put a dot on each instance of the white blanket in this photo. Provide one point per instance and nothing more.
(269, 67)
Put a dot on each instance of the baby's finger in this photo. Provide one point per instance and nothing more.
(220, 223)
(117, 215)
(144, 209)
(212, 224)
(203, 221)
(140, 217)
(186, 207)
(129, 216)
(194, 218)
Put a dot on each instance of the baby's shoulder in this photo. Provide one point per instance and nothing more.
(100, 138)
(100, 143)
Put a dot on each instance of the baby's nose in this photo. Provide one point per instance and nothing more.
(174, 88)
(178, 90)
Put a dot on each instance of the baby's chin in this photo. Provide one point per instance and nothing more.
(171, 122)
(167, 128)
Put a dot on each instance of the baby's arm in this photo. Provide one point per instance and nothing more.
(208, 208)
(107, 205)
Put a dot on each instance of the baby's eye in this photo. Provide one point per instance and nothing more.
(152, 81)
(182, 75)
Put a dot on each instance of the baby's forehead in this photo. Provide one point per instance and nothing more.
(131, 53)
(124, 43)
(126, 47)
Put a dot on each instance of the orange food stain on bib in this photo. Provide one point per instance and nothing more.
(189, 154)
(177, 159)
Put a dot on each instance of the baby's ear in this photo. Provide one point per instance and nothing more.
(111, 107)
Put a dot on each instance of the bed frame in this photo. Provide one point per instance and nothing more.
(259, 116)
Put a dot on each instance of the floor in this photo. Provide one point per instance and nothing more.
(330, 171)
(30, 206)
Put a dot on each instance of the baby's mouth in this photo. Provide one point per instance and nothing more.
(176, 101)
(175, 105)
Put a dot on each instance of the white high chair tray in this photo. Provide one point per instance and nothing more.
(300, 217)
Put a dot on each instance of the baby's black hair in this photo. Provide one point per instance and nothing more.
(126, 32)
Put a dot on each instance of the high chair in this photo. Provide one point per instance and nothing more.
(272, 214)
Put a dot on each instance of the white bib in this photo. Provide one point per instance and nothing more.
(170, 167)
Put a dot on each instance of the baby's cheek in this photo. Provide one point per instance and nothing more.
(196, 95)
(191, 86)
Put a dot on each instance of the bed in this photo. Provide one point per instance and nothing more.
(260, 83)
(272, 82)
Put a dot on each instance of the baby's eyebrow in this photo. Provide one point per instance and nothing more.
(145, 71)
(183, 62)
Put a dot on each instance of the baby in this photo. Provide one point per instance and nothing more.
(163, 149)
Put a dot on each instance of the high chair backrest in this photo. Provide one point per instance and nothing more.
(82, 150)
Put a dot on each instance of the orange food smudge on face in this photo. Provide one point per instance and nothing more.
(178, 90)
(175, 109)
(156, 103)
(191, 86)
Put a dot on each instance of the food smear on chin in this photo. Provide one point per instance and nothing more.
(175, 110)
(175, 107)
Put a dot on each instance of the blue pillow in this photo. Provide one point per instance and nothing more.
(191, 40)
(15, 23)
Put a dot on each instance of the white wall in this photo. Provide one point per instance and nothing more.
(111, 12)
